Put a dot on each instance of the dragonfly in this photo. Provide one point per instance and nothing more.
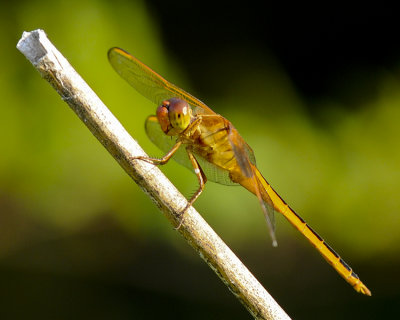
(198, 138)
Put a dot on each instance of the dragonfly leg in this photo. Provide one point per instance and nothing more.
(202, 181)
(163, 160)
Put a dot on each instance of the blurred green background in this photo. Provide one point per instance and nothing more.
(315, 92)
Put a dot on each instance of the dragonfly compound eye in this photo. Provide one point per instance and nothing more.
(162, 116)
(180, 114)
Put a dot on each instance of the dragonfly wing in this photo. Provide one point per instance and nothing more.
(165, 143)
(250, 153)
(242, 151)
(269, 213)
(247, 162)
(149, 83)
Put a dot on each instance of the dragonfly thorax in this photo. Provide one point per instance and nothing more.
(174, 116)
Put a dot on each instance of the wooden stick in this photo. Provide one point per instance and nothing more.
(106, 128)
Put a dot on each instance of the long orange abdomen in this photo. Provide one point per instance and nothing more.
(272, 198)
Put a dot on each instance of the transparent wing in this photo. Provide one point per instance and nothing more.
(149, 83)
(245, 158)
(165, 143)
(269, 214)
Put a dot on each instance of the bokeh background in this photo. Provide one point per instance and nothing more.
(314, 90)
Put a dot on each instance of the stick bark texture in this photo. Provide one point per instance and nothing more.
(106, 128)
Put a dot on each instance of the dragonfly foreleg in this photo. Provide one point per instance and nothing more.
(202, 182)
(163, 160)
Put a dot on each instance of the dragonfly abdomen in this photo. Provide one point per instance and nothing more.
(325, 250)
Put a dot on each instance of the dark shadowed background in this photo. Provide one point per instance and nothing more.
(314, 90)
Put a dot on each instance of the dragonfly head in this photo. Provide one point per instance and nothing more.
(174, 116)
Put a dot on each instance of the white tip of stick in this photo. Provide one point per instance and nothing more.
(28, 45)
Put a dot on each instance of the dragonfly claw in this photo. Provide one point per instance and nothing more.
(149, 160)
(180, 216)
